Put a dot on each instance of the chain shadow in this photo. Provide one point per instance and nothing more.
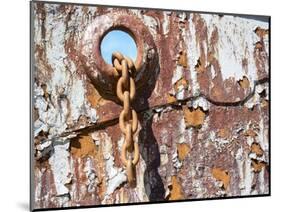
(149, 151)
(148, 145)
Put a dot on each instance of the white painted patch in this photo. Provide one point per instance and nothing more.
(240, 165)
(176, 162)
(60, 166)
(182, 132)
(114, 176)
(166, 23)
(92, 179)
(236, 42)
(193, 54)
(55, 113)
(201, 102)
(164, 159)
(219, 143)
(149, 21)
(248, 178)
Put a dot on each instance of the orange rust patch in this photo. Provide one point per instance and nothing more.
(221, 175)
(256, 148)
(199, 67)
(102, 187)
(94, 97)
(216, 92)
(251, 133)
(181, 83)
(85, 9)
(83, 146)
(261, 32)
(264, 103)
(171, 98)
(244, 83)
(224, 133)
(183, 150)
(210, 57)
(176, 190)
(182, 59)
(259, 46)
(258, 165)
(193, 117)
(124, 198)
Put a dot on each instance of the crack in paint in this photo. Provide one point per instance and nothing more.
(104, 124)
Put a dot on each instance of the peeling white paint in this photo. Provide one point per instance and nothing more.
(231, 50)
(193, 54)
(219, 143)
(66, 90)
(240, 164)
(115, 176)
(201, 102)
(182, 132)
(149, 21)
(248, 178)
(91, 176)
(60, 166)
(166, 23)
(176, 162)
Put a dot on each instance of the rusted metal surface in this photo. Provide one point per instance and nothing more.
(204, 113)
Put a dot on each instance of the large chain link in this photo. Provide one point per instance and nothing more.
(128, 120)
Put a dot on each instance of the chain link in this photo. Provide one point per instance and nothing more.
(128, 120)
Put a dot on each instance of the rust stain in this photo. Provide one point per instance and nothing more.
(182, 59)
(176, 190)
(123, 196)
(181, 83)
(261, 32)
(94, 97)
(224, 133)
(258, 165)
(264, 103)
(216, 92)
(193, 117)
(244, 83)
(250, 133)
(171, 98)
(221, 175)
(183, 150)
(256, 148)
(259, 46)
(199, 67)
(83, 146)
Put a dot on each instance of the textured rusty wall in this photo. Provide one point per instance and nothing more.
(203, 121)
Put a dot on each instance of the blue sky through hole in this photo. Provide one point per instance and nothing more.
(117, 40)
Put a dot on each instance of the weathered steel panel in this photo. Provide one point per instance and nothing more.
(204, 119)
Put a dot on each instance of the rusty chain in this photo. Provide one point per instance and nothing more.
(128, 120)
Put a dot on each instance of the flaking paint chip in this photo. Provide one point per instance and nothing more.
(183, 150)
(182, 59)
(250, 133)
(256, 148)
(181, 83)
(221, 175)
(193, 117)
(261, 32)
(199, 67)
(244, 83)
(176, 190)
(258, 165)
